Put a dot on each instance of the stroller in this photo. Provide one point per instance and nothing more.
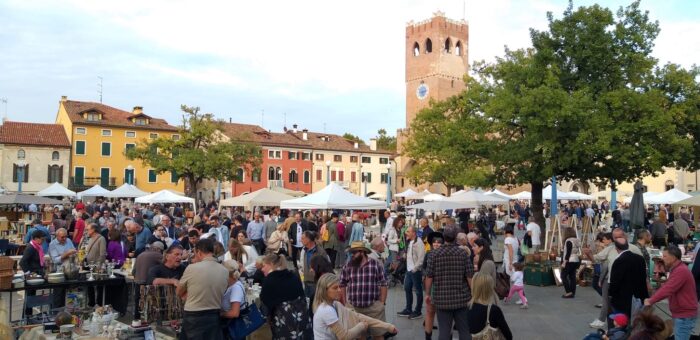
(397, 271)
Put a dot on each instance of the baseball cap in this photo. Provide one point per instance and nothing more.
(620, 319)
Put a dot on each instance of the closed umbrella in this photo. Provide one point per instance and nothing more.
(637, 211)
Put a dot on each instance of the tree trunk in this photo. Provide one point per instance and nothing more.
(191, 191)
(536, 206)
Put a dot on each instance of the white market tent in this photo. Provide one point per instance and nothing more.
(692, 201)
(669, 197)
(496, 192)
(475, 198)
(95, 191)
(333, 196)
(420, 195)
(408, 192)
(126, 191)
(582, 196)
(433, 197)
(561, 195)
(164, 196)
(646, 196)
(523, 195)
(442, 205)
(458, 192)
(294, 193)
(56, 189)
(260, 198)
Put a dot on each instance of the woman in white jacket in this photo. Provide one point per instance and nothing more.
(279, 240)
(392, 239)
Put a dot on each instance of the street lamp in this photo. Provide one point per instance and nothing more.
(130, 174)
(20, 174)
(328, 172)
(388, 185)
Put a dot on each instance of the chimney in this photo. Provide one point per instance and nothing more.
(64, 99)
(294, 128)
(230, 120)
(357, 145)
(305, 134)
(373, 144)
(137, 110)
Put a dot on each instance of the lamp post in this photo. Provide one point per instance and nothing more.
(20, 174)
(279, 176)
(328, 172)
(388, 185)
(130, 174)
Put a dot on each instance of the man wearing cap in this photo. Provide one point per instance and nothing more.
(363, 285)
(449, 272)
(679, 289)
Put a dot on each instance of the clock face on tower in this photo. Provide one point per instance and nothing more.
(422, 91)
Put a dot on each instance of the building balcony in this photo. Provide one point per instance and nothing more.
(77, 185)
(276, 183)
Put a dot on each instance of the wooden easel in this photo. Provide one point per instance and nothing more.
(586, 230)
(553, 233)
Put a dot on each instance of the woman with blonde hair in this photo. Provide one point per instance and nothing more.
(483, 315)
(244, 255)
(279, 240)
(334, 321)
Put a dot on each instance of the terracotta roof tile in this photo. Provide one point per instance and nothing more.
(20, 133)
(256, 134)
(111, 116)
(327, 141)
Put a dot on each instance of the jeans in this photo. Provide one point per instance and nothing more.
(202, 325)
(414, 280)
(331, 256)
(593, 336)
(683, 328)
(447, 318)
(568, 277)
(595, 282)
(295, 256)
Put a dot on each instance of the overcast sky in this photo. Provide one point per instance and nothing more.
(332, 64)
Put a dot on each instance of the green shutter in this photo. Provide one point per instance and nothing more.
(152, 176)
(173, 177)
(79, 175)
(80, 147)
(106, 149)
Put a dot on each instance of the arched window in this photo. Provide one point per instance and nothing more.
(428, 45)
(271, 174)
(669, 185)
(240, 175)
(307, 177)
(54, 156)
(448, 45)
(255, 176)
(278, 174)
(416, 49)
(20, 154)
(458, 48)
(293, 177)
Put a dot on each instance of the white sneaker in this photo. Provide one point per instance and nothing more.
(597, 324)
(519, 302)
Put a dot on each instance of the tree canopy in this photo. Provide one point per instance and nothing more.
(384, 141)
(201, 152)
(586, 102)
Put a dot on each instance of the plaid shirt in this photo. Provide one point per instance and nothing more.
(450, 267)
(362, 284)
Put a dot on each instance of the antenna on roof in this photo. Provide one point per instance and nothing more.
(285, 119)
(99, 88)
(4, 101)
(262, 118)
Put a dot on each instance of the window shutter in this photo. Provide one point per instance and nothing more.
(26, 173)
(14, 173)
(48, 175)
(60, 174)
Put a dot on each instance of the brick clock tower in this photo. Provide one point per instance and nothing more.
(436, 62)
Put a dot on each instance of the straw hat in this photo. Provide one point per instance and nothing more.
(361, 246)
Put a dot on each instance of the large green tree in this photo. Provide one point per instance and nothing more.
(385, 142)
(587, 102)
(203, 151)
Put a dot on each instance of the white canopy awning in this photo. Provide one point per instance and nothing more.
(477, 198)
(523, 195)
(442, 205)
(433, 197)
(692, 201)
(333, 196)
(646, 196)
(581, 196)
(126, 191)
(95, 191)
(408, 192)
(420, 195)
(294, 193)
(260, 198)
(164, 196)
(669, 197)
(498, 193)
(561, 195)
(56, 189)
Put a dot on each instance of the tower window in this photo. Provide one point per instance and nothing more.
(458, 48)
(448, 45)
(416, 49)
(428, 45)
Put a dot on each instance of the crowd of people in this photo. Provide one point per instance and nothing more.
(327, 277)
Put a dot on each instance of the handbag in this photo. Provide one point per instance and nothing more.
(489, 333)
(502, 284)
(247, 322)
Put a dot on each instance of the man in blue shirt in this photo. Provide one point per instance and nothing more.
(47, 235)
(256, 232)
(61, 247)
(135, 226)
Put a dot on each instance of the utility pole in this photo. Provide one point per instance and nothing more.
(4, 101)
(99, 88)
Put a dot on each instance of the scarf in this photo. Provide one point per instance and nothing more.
(39, 250)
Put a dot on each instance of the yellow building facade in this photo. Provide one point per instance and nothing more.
(100, 135)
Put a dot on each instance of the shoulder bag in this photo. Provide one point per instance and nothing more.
(489, 333)
(247, 322)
